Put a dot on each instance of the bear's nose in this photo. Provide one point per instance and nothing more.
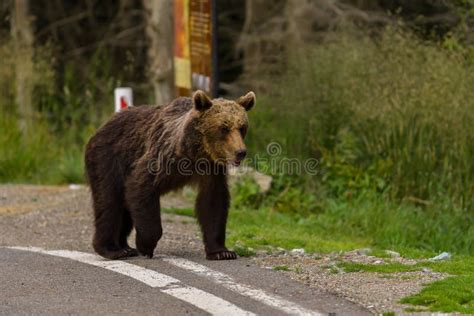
(240, 154)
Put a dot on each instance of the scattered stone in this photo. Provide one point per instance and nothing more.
(297, 251)
(426, 270)
(368, 289)
(392, 253)
(75, 186)
(363, 251)
(263, 181)
(441, 256)
(275, 251)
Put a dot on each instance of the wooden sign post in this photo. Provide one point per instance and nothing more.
(195, 46)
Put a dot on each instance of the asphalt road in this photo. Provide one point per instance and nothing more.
(48, 267)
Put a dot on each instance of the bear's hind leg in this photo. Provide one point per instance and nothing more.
(144, 204)
(108, 210)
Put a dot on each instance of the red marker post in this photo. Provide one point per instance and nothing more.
(123, 98)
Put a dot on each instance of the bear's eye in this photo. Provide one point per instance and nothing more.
(243, 131)
(225, 129)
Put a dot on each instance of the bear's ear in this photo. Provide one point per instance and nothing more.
(201, 101)
(247, 101)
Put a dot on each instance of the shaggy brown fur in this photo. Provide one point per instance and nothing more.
(142, 153)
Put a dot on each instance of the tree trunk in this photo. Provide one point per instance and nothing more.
(260, 41)
(250, 39)
(22, 35)
(159, 30)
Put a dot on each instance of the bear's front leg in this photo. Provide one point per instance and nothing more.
(212, 207)
(143, 200)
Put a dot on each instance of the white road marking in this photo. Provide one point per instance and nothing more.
(246, 290)
(169, 285)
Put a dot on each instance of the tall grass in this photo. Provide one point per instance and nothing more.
(66, 113)
(389, 113)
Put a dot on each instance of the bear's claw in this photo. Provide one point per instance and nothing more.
(119, 253)
(146, 253)
(222, 255)
(131, 252)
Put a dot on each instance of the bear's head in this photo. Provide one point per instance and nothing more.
(223, 125)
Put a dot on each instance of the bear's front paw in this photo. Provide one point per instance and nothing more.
(147, 252)
(144, 247)
(222, 255)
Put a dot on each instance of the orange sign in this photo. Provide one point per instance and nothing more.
(195, 55)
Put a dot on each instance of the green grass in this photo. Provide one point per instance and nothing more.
(457, 266)
(261, 228)
(454, 294)
(180, 211)
(348, 223)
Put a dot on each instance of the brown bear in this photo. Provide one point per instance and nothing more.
(143, 152)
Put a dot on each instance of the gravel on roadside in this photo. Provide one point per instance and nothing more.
(378, 292)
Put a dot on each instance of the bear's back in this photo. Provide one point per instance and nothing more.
(123, 138)
(120, 141)
(178, 108)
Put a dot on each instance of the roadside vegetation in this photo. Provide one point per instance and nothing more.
(50, 150)
(389, 118)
